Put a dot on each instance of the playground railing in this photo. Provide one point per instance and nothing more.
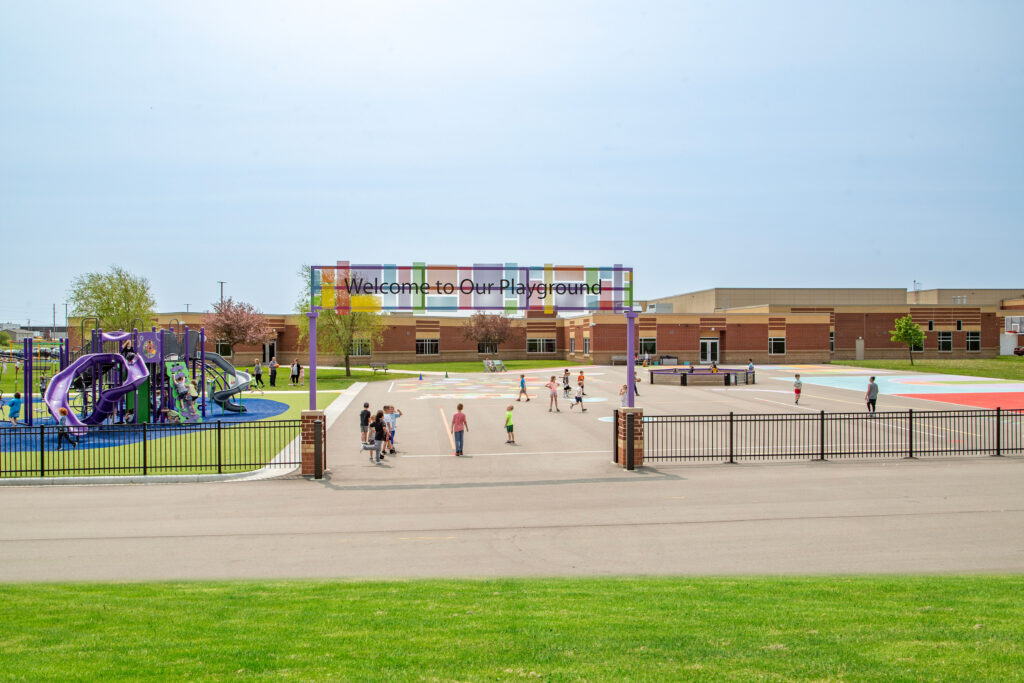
(147, 449)
(826, 436)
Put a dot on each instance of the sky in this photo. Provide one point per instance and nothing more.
(784, 143)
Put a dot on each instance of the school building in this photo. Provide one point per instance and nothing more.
(727, 325)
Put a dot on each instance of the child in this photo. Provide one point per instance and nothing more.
(364, 423)
(62, 430)
(552, 395)
(566, 390)
(391, 415)
(460, 425)
(579, 399)
(797, 387)
(579, 380)
(510, 436)
(623, 392)
(522, 389)
(14, 408)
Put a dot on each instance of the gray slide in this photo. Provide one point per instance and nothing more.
(231, 381)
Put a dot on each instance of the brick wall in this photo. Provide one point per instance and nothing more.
(309, 418)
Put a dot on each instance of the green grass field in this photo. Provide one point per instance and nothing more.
(1004, 367)
(918, 628)
(478, 366)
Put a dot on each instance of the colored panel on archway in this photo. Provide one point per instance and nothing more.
(506, 287)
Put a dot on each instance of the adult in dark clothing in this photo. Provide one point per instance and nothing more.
(274, 365)
(257, 371)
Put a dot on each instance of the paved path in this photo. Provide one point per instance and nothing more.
(553, 505)
(535, 515)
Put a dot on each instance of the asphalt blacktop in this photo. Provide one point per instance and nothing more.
(552, 505)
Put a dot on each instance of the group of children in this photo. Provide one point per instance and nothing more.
(379, 431)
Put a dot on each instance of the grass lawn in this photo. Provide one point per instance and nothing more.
(326, 379)
(967, 628)
(478, 366)
(1005, 367)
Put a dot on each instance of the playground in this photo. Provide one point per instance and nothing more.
(141, 403)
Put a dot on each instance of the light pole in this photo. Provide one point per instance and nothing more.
(221, 282)
(186, 308)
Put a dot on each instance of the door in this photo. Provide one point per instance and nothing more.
(269, 351)
(708, 350)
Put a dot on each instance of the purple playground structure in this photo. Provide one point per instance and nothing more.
(131, 377)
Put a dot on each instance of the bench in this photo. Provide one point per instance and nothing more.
(494, 366)
(620, 359)
(375, 366)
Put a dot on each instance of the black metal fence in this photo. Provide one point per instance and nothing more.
(144, 449)
(824, 436)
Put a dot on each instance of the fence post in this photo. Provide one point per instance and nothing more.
(999, 431)
(42, 449)
(615, 436)
(731, 427)
(220, 462)
(630, 427)
(318, 450)
(910, 432)
(145, 438)
(821, 436)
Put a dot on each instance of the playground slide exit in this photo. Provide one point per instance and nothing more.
(57, 392)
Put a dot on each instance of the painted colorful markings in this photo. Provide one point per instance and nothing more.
(486, 387)
(977, 392)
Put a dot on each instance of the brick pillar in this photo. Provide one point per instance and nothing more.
(309, 418)
(638, 435)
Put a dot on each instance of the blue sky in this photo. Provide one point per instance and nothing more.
(703, 143)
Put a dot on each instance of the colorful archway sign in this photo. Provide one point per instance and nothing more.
(437, 288)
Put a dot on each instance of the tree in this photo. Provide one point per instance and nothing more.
(5, 338)
(117, 298)
(236, 322)
(488, 329)
(339, 333)
(908, 332)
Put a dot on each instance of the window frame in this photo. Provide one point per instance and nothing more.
(572, 344)
(486, 349)
(773, 342)
(959, 325)
(426, 349)
(648, 340)
(931, 325)
(832, 341)
(976, 339)
(543, 344)
(359, 345)
(220, 348)
(944, 339)
(586, 346)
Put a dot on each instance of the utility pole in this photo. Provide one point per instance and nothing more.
(65, 317)
(221, 290)
(53, 325)
(186, 308)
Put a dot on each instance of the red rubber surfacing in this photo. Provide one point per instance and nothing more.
(1009, 399)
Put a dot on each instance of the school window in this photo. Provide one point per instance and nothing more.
(931, 325)
(974, 341)
(361, 347)
(917, 348)
(945, 341)
(586, 346)
(572, 344)
(223, 349)
(832, 342)
(777, 345)
(648, 346)
(486, 347)
(959, 325)
(540, 345)
(428, 347)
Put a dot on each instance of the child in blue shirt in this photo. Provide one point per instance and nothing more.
(14, 408)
